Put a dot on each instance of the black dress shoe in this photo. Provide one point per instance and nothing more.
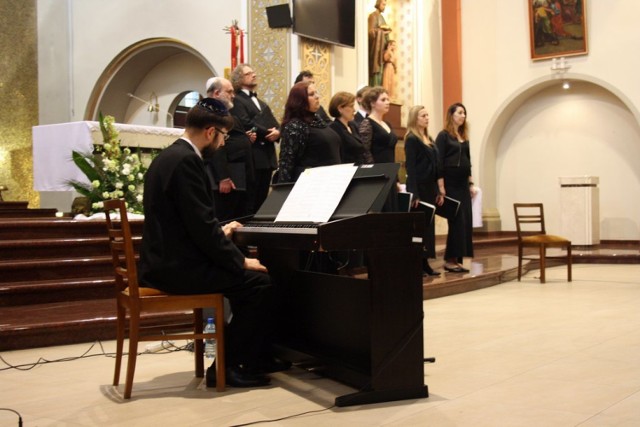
(235, 376)
(430, 273)
(427, 270)
(456, 269)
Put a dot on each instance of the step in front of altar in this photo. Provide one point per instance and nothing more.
(57, 284)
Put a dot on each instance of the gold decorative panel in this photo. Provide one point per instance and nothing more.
(18, 98)
(269, 48)
(316, 57)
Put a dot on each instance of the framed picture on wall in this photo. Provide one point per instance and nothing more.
(557, 28)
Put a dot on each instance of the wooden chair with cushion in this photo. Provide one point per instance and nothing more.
(138, 300)
(532, 234)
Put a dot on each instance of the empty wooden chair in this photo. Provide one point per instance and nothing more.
(532, 234)
(137, 300)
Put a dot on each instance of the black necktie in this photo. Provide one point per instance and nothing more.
(253, 94)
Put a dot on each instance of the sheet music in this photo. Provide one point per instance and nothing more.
(316, 194)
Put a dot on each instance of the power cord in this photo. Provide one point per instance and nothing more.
(15, 412)
(396, 350)
(169, 347)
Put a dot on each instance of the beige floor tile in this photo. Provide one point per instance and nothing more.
(516, 354)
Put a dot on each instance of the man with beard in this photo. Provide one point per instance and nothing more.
(231, 166)
(186, 251)
(255, 115)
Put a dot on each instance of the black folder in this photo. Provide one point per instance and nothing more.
(449, 209)
(404, 201)
(428, 209)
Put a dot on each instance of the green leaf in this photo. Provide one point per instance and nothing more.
(82, 161)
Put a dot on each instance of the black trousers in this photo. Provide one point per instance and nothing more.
(261, 187)
(248, 333)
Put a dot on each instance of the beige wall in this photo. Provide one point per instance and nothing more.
(519, 114)
(512, 101)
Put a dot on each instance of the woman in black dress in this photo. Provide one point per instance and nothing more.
(342, 108)
(377, 136)
(455, 160)
(376, 133)
(424, 177)
(307, 141)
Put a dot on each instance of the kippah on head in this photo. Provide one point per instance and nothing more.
(214, 105)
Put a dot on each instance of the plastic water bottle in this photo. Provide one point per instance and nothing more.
(210, 344)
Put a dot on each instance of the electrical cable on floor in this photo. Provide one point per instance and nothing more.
(15, 412)
(169, 348)
(401, 344)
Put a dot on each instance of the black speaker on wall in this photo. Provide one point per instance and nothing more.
(279, 16)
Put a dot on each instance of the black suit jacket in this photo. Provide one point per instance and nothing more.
(184, 249)
(234, 160)
(351, 148)
(423, 168)
(249, 116)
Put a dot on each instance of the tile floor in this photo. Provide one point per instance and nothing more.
(515, 354)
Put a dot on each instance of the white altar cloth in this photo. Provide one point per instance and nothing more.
(53, 144)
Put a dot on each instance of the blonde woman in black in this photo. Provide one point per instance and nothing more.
(424, 176)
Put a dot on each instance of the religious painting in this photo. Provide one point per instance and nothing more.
(557, 28)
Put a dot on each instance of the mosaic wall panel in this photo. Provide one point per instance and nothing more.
(18, 97)
(269, 56)
(316, 57)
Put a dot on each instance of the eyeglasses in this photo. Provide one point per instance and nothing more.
(225, 135)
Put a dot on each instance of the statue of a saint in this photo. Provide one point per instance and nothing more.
(378, 38)
(389, 69)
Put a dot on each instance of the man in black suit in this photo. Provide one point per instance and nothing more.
(256, 116)
(231, 165)
(186, 251)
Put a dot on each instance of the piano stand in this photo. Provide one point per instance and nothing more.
(366, 332)
(364, 397)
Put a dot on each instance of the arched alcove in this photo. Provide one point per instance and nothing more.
(153, 70)
(544, 132)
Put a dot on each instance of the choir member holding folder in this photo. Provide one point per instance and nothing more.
(423, 177)
(455, 159)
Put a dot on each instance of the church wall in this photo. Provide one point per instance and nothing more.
(100, 30)
(591, 140)
(496, 68)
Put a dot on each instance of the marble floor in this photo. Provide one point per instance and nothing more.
(514, 354)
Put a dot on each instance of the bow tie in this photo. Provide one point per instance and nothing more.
(253, 94)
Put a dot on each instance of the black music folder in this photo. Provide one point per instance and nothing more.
(405, 199)
(428, 209)
(449, 209)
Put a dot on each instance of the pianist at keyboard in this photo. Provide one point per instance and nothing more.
(186, 251)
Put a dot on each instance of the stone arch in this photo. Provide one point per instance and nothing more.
(129, 68)
(486, 174)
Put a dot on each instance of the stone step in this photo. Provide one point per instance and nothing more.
(49, 291)
(41, 325)
(27, 213)
(57, 228)
(81, 247)
(31, 270)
